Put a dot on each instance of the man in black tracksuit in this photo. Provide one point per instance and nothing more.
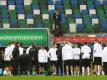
(33, 59)
(23, 62)
(15, 55)
(59, 61)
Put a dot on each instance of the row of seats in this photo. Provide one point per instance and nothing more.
(76, 15)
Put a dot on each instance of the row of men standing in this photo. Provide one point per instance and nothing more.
(65, 58)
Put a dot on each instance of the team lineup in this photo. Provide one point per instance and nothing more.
(67, 59)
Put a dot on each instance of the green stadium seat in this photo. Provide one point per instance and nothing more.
(12, 14)
(71, 19)
(100, 13)
(35, 1)
(105, 7)
(43, 5)
(89, 28)
(66, 4)
(97, 28)
(28, 9)
(86, 16)
(82, 2)
(89, 2)
(4, 11)
(45, 11)
(37, 18)
(47, 24)
(76, 10)
(5, 20)
(65, 27)
(22, 23)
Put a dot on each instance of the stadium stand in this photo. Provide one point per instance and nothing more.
(76, 15)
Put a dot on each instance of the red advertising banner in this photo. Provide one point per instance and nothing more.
(79, 39)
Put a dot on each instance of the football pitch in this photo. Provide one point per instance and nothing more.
(54, 78)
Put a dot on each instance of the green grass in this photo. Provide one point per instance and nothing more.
(54, 78)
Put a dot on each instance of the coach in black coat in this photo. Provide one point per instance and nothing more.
(59, 61)
(23, 64)
(33, 59)
(57, 18)
(15, 55)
